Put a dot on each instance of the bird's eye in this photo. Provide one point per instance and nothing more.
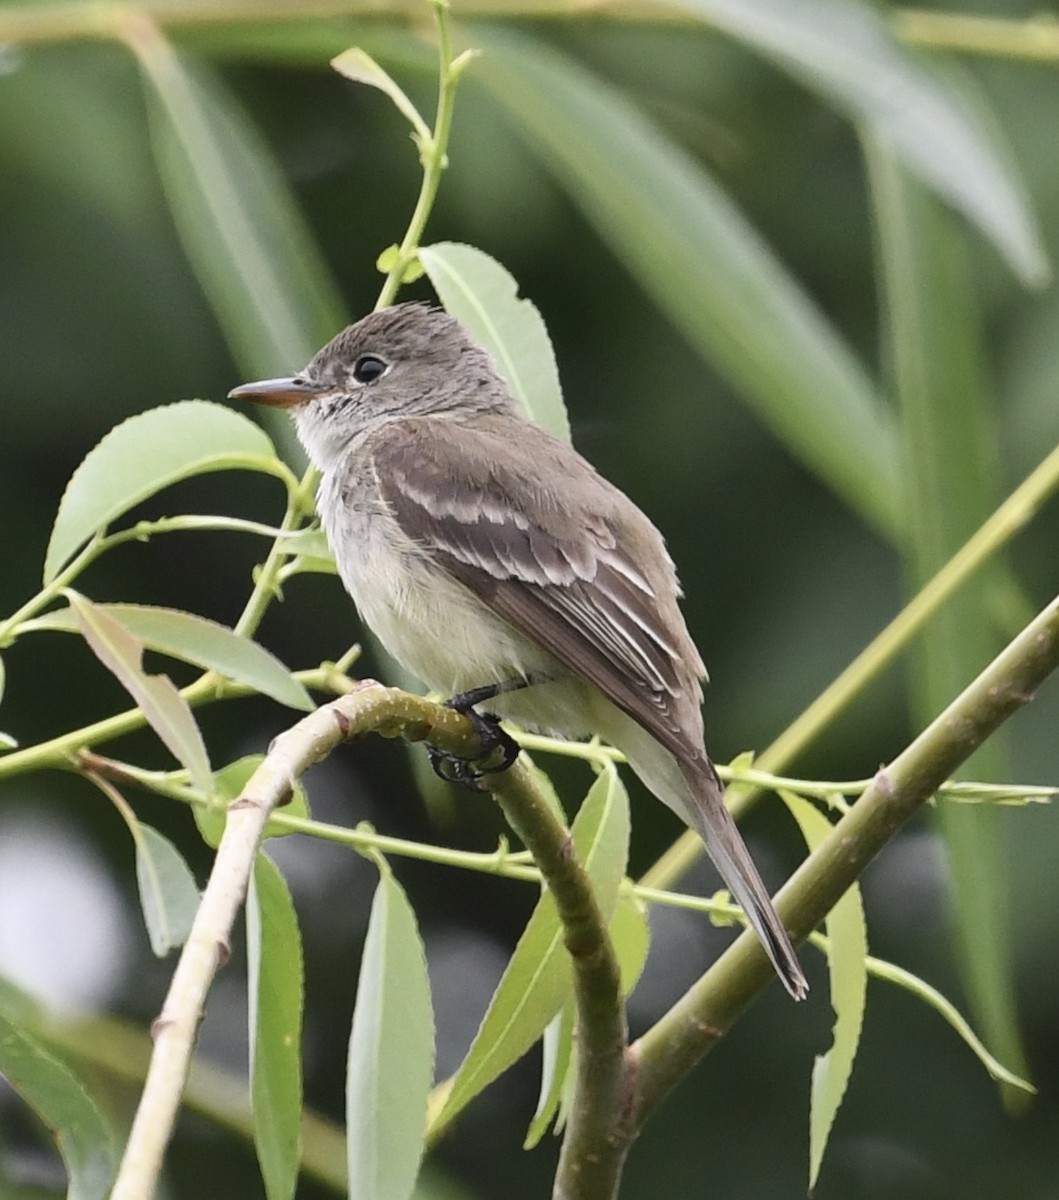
(368, 368)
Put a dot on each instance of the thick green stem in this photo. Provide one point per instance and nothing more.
(669, 1050)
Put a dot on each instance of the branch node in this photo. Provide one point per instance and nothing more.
(883, 783)
(159, 1025)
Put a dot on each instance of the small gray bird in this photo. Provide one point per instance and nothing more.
(493, 562)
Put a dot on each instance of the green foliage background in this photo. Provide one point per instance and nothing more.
(104, 317)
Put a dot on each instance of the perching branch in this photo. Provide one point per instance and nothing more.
(593, 1160)
(669, 1050)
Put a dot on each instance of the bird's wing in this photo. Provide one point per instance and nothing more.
(579, 571)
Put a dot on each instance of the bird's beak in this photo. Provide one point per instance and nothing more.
(280, 393)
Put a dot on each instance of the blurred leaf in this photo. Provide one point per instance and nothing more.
(195, 639)
(692, 250)
(309, 543)
(163, 706)
(228, 784)
(243, 231)
(934, 350)
(630, 931)
(358, 65)
(169, 895)
(557, 1056)
(539, 977)
(275, 996)
(145, 454)
(483, 296)
(59, 1098)
(391, 1052)
(848, 973)
(310, 550)
(844, 50)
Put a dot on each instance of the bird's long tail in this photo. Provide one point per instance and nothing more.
(712, 821)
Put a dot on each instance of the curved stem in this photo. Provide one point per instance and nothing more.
(591, 1150)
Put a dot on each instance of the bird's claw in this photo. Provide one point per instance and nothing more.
(498, 748)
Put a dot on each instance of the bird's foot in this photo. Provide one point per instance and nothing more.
(498, 749)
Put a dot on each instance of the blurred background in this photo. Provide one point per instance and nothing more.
(107, 310)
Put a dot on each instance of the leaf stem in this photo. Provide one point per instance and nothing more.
(60, 752)
(433, 155)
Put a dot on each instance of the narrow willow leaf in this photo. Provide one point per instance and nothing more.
(944, 1006)
(934, 353)
(59, 1098)
(275, 993)
(145, 454)
(844, 50)
(689, 247)
(163, 706)
(391, 1053)
(169, 896)
(243, 232)
(195, 639)
(483, 296)
(228, 784)
(848, 972)
(539, 978)
(359, 66)
(557, 1056)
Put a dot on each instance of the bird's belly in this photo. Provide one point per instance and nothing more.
(431, 624)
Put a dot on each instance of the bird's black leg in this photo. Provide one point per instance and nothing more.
(499, 749)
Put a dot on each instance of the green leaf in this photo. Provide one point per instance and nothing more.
(848, 973)
(145, 454)
(310, 550)
(695, 254)
(195, 639)
(557, 1058)
(163, 706)
(945, 1008)
(483, 296)
(934, 355)
(630, 932)
(275, 993)
(358, 65)
(169, 895)
(243, 232)
(539, 978)
(59, 1098)
(844, 50)
(391, 1052)
(228, 784)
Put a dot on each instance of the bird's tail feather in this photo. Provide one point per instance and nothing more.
(690, 787)
(711, 820)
